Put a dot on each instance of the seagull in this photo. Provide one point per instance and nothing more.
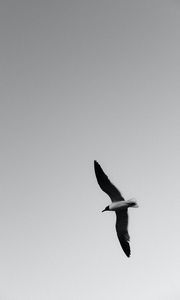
(119, 205)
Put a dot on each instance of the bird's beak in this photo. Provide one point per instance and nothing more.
(103, 210)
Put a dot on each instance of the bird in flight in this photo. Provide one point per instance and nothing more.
(119, 205)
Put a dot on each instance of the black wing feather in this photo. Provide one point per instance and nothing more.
(122, 230)
(106, 185)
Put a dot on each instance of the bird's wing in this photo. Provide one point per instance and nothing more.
(122, 230)
(106, 185)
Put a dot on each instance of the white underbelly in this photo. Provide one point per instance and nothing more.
(118, 205)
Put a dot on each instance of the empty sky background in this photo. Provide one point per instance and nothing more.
(83, 80)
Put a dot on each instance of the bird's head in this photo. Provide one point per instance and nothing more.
(106, 208)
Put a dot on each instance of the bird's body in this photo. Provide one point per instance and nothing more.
(119, 205)
(116, 206)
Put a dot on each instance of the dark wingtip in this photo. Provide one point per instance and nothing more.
(125, 246)
(96, 163)
(128, 253)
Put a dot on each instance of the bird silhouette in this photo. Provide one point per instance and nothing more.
(119, 205)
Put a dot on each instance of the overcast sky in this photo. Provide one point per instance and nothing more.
(83, 80)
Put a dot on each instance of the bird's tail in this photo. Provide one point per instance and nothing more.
(132, 203)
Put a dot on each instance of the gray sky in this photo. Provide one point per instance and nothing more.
(85, 80)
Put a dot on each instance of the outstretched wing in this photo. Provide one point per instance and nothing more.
(122, 230)
(106, 185)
